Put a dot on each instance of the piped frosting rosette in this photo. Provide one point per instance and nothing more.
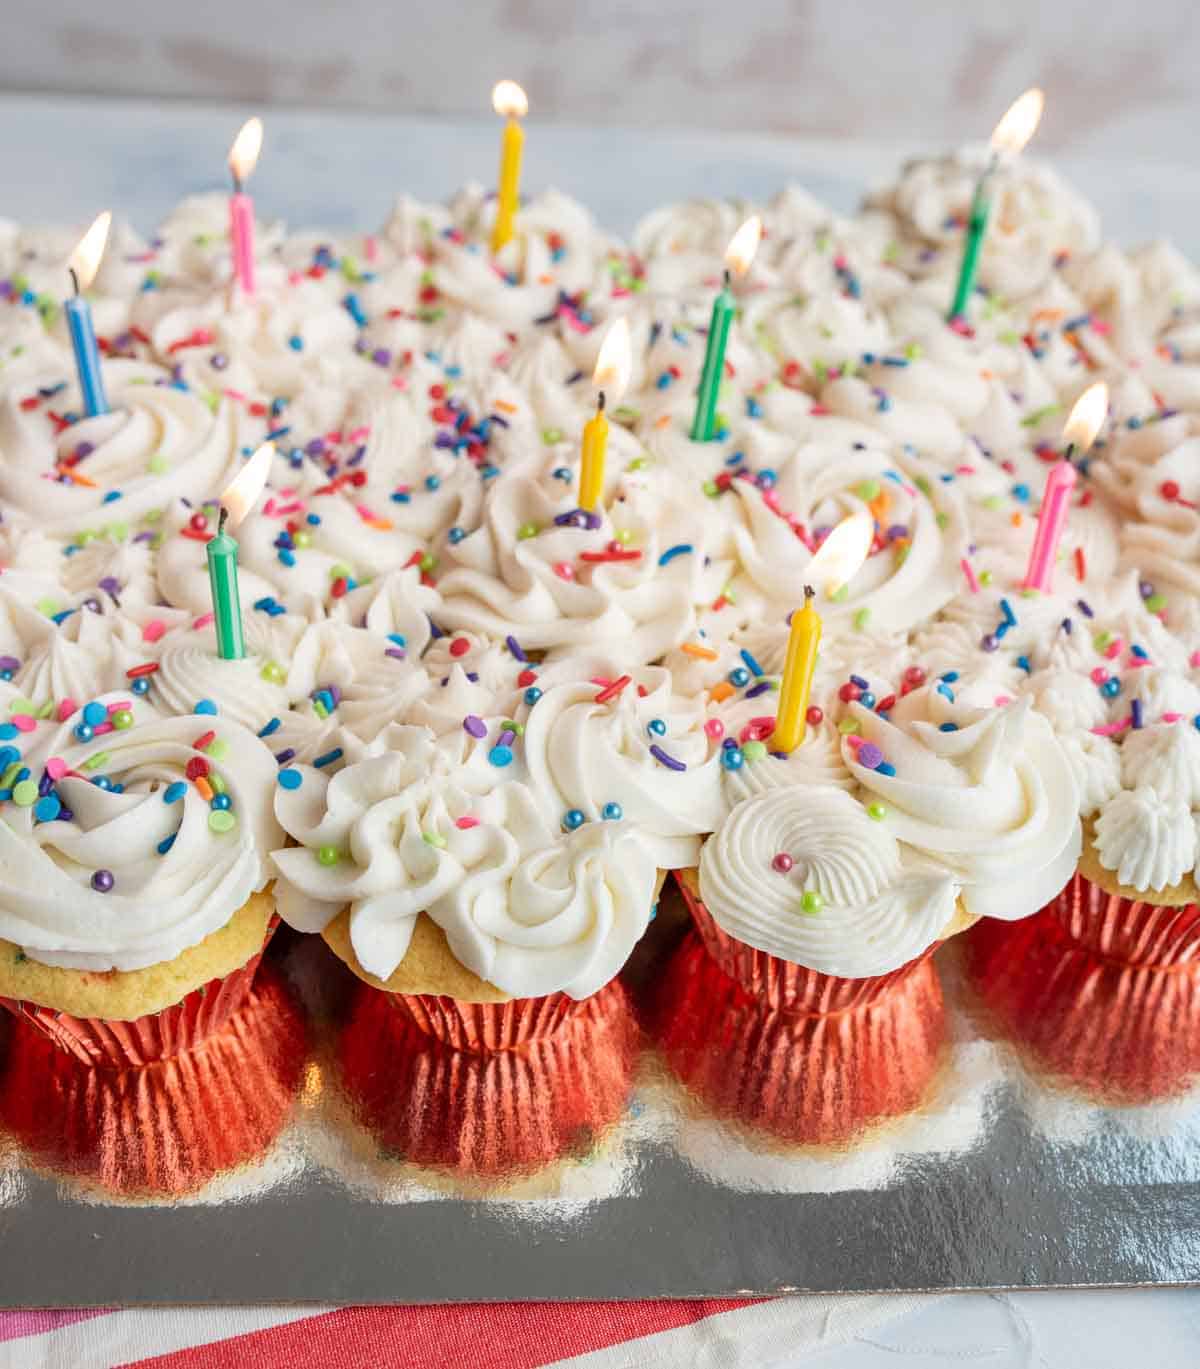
(159, 442)
(805, 874)
(986, 794)
(605, 744)
(912, 569)
(530, 909)
(148, 838)
(530, 572)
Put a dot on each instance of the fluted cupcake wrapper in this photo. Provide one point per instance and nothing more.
(1123, 1033)
(781, 984)
(496, 1113)
(172, 1125)
(1125, 930)
(805, 1077)
(109, 1044)
(484, 1027)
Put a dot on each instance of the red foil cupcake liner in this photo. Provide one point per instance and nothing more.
(158, 1036)
(780, 983)
(1121, 1032)
(497, 1114)
(807, 1078)
(1129, 931)
(487, 1027)
(174, 1124)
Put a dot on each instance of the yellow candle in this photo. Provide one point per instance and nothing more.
(611, 375)
(803, 641)
(591, 470)
(509, 99)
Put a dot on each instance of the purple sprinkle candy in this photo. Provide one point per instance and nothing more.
(9, 663)
(1135, 708)
(397, 653)
(506, 738)
(664, 758)
(474, 725)
(515, 649)
(869, 755)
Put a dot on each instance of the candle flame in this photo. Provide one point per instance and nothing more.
(85, 260)
(509, 99)
(1019, 123)
(743, 245)
(615, 362)
(246, 487)
(842, 552)
(1087, 417)
(243, 155)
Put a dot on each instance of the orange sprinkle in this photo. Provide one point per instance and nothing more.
(505, 407)
(73, 475)
(663, 421)
(719, 693)
(1080, 565)
(1050, 315)
(880, 506)
(204, 789)
(1016, 520)
(546, 279)
(701, 653)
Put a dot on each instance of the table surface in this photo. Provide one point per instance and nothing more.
(74, 157)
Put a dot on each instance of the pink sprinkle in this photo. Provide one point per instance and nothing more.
(122, 706)
(65, 708)
(714, 728)
(153, 630)
(371, 247)
(101, 728)
(269, 507)
(972, 582)
(1194, 660)
(205, 620)
(399, 382)
(56, 767)
(964, 470)
(1114, 649)
(1099, 675)
(1111, 729)
(564, 570)
(359, 434)
(1172, 717)
(234, 394)
(465, 824)
(757, 729)
(853, 741)
(1002, 699)
(364, 512)
(1136, 662)
(23, 722)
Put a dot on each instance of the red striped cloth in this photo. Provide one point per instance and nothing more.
(587, 1335)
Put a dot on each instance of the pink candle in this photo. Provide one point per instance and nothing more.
(1083, 423)
(243, 157)
(1056, 503)
(241, 236)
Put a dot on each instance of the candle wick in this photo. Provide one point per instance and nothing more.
(237, 181)
(74, 280)
(728, 277)
(809, 592)
(222, 519)
(600, 401)
(1069, 451)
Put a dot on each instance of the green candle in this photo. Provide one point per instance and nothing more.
(236, 503)
(738, 256)
(1008, 138)
(227, 608)
(705, 422)
(981, 208)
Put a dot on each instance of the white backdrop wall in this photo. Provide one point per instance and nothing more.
(1121, 75)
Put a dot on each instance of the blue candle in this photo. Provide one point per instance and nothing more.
(85, 262)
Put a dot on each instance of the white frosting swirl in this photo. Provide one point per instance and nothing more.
(1147, 839)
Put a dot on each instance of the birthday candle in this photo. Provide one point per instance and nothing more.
(611, 377)
(243, 157)
(222, 553)
(839, 557)
(1010, 135)
(84, 263)
(738, 256)
(510, 100)
(1080, 432)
